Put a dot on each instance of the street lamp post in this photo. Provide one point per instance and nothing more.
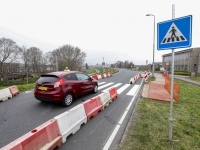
(153, 42)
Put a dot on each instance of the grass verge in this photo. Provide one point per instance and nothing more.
(22, 88)
(149, 127)
(194, 78)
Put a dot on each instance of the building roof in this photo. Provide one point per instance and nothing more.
(179, 52)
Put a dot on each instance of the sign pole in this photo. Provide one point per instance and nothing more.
(172, 85)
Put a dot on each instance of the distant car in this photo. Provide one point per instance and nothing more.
(64, 86)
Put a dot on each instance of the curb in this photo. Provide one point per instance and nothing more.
(132, 114)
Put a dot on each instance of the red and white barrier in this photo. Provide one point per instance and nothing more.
(5, 94)
(92, 107)
(135, 78)
(113, 93)
(45, 137)
(14, 90)
(70, 121)
(97, 72)
(54, 132)
(105, 99)
(104, 72)
(148, 74)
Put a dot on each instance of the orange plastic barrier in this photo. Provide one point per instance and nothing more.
(95, 77)
(102, 76)
(168, 87)
(92, 107)
(47, 136)
(14, 90)
(113, 93)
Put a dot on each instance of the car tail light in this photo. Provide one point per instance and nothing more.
(59, 83)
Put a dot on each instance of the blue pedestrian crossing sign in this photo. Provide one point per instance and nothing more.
(175, 33)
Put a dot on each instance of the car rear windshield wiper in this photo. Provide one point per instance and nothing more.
(45, 82)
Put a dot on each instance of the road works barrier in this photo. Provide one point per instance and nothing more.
(95, 77)
(168, 87)
(105, 99)
(102, 76)
(113, 93)
(70, 121)
(99, 77)
(54, 132)
(92, 107)
(148, 74)
(44, 137)
(135, 78)
(14, 90)
(5, 94)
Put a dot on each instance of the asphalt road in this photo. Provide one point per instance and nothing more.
(23, 113)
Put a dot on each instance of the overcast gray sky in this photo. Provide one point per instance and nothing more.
(102, 28)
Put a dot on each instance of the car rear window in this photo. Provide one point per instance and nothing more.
(47, 79)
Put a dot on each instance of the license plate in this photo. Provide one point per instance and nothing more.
(42, 88)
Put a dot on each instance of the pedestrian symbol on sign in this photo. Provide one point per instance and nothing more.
(173, 32)
(173, 35)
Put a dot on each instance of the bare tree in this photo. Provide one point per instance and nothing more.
(35, 57)
(71, 56)
(9, 52)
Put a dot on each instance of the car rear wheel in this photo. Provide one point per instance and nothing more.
(67, 100)
(95, 90)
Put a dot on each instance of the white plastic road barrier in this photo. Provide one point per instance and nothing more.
(105, 76)
(99, 77)
(143, 75)
(105, 99)
(70, 121)
(5, 94)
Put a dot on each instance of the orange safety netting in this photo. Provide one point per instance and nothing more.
(168, 88)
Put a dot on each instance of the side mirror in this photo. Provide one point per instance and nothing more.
(90, 78)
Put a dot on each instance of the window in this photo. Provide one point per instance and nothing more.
(47, 79)
(11, 70)
(15, 70)
(186, 56)
(82, 76)
(7, 70)
(70, 77)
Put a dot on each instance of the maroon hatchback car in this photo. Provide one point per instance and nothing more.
(64, 86)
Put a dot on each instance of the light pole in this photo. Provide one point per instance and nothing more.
(153, 42)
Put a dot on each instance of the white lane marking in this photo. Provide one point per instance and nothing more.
(106, 147)
(129, 105)
(102, 83)
(119, 91)
(122, 118)
(116, 85)
(28, 91)
(111, 138)
(133, 90)
(101, 87)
